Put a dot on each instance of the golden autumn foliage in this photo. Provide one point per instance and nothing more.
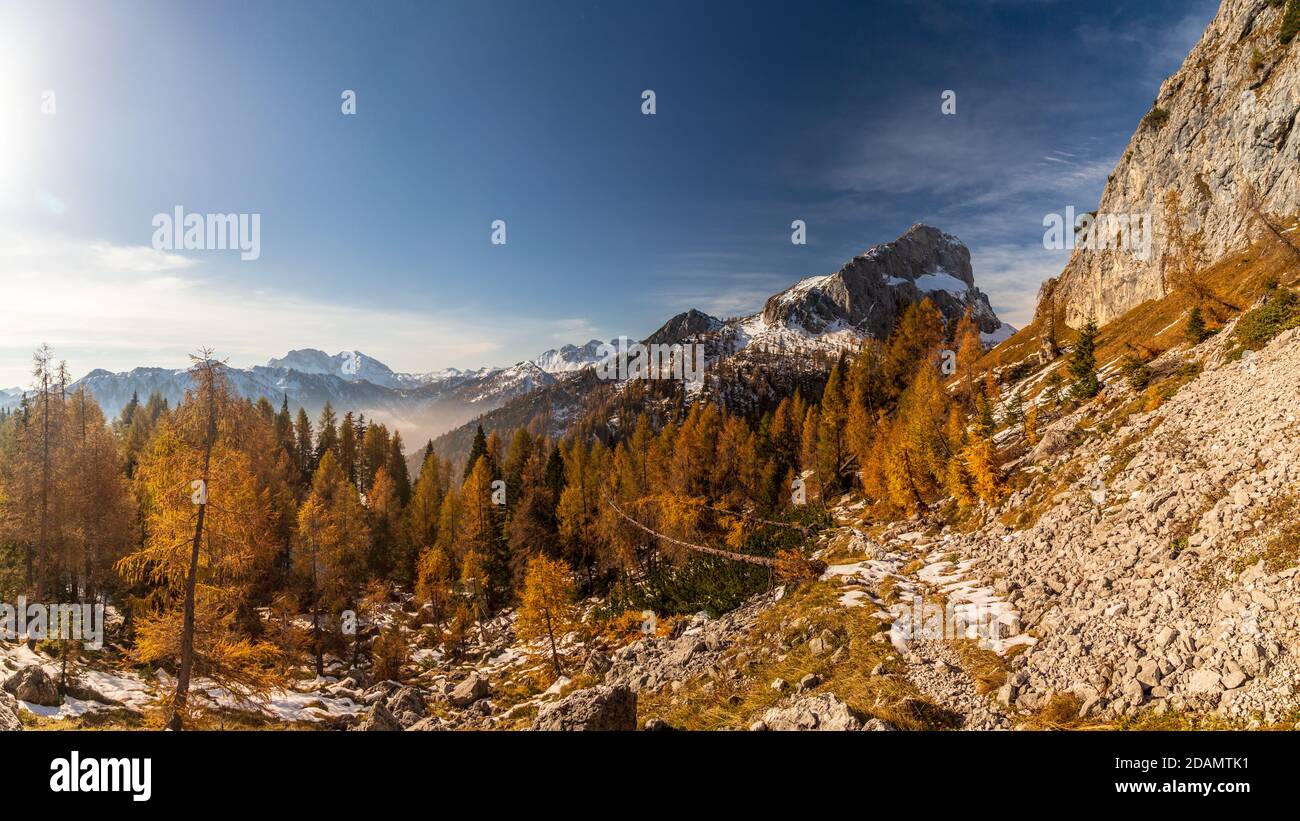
(546, 605)
(206, 518)
(330, 549)
(249, 670)
(433, 585)
(970, 349)
(981, 462)
(1031, 424)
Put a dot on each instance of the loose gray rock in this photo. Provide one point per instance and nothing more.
(406, 700)
(593, 709)
(597, 664)
(469, 691)
(9, 717)
(821, 711)
(32, 684)
(378, 719)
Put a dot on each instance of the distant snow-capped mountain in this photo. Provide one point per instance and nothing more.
(420, 405)
(354, 366)
(572, 357)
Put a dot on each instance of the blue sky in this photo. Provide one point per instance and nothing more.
(375, 228)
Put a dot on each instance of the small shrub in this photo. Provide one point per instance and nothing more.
(1177, 546)
(1021, 370)
(1290, 22)
(1280, 312)
(1194, 331)
(1155, 118)
(390, 655)
(1136, 372)
(1153, 399)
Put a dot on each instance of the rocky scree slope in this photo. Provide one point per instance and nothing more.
(1162, 574)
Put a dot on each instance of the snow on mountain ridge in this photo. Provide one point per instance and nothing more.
(569, 358)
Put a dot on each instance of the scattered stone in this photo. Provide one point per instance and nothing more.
(473, 688)
(595, 708)
(378, 719)
(821, 711)
(33, 685)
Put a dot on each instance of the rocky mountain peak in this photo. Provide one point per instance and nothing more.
(569, 357)
(349, 365)
(684, 326)
(873, 288)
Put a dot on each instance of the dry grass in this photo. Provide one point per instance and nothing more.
(985, 667)
(1156, 326)
(116, 719)
(1283, 550)
(1060, 713)
(721, 701)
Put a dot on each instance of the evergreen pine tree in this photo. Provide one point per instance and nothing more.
(1083, 363)
(479, 448)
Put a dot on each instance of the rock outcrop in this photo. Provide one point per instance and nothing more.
(1222, 126)
(685, 325)
(32, 684)
(470, 690)
(822, 711)
(594, 709)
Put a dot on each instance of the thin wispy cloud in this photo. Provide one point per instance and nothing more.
(101, 305)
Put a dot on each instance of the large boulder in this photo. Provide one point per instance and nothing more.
(1053, 443)
(428, 724)
(596, 708)
(406, 700)
(378, 719)
(33, 685)
(469, 691)
(822, 711)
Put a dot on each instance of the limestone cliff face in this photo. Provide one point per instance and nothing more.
(1222, 125)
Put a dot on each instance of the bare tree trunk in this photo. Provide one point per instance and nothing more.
(555, 656)
(45, 488)
(87, 542)
(315, 616)
(191, 579)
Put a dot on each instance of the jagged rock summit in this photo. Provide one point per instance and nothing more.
(869, 293)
